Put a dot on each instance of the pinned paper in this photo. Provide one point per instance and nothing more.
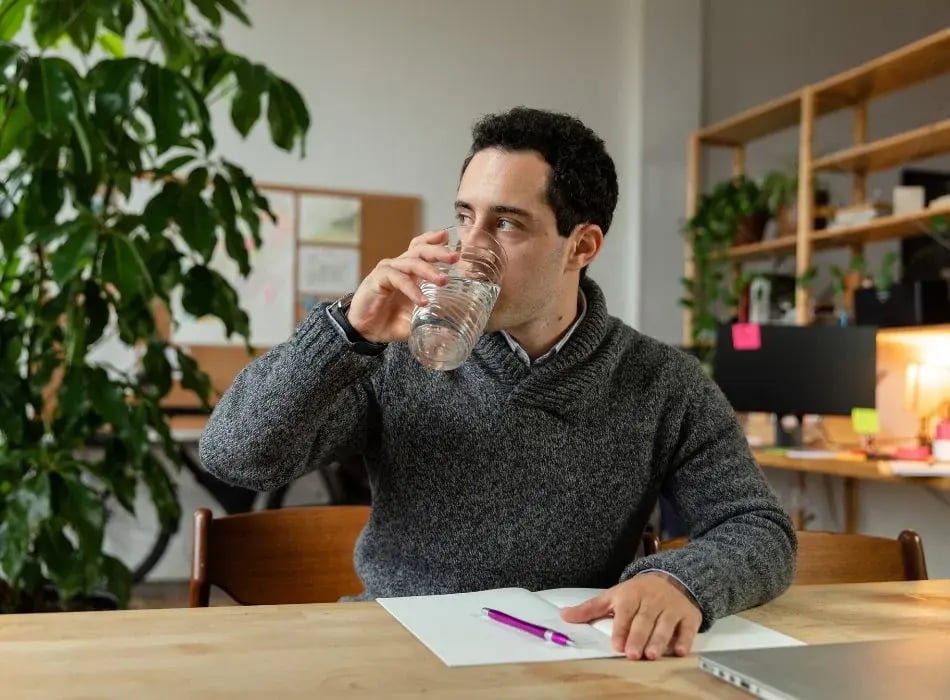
(746, 336)
(865, 421)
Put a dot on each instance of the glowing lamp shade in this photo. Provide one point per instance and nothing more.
(927, 389)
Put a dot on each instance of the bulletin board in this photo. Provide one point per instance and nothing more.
(324, 242)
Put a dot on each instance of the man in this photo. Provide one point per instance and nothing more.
(539, 460)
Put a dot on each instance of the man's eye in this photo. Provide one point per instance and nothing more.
(506, 224)
(463, 218)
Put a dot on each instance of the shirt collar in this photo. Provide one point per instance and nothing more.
(522, 353)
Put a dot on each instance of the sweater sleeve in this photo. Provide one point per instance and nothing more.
(302, 404)
(742, 545)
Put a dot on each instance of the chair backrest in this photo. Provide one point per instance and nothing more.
(831, 557)
(288, 555)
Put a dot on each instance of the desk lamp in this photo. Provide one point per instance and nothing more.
(927, 390)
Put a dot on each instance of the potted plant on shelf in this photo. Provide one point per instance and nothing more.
(735, 212)
(77, 259)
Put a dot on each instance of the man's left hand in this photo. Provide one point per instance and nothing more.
(652, 613)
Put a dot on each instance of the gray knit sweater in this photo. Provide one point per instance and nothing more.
(500, 474)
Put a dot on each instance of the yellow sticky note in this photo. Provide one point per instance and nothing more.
(865, 421)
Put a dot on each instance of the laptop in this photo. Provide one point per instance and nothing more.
(903, 669)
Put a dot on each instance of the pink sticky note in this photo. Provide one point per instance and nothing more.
(746, 336)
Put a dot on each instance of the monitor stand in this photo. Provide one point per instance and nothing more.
(788, 431)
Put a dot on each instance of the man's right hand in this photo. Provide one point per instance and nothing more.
(381, 308)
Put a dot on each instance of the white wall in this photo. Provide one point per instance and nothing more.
(759, 50)
(394, 88)
(671, 104)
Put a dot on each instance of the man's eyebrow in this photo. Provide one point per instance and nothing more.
(497, 209)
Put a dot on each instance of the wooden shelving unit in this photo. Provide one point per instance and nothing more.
(853, 89)
(883, 228)
(918, 144)
(753, 124)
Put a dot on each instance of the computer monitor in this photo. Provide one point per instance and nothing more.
(798, 370)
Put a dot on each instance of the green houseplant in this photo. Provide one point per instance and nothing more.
(76, 258)
(735, 212)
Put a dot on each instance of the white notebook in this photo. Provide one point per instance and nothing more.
(456, 630)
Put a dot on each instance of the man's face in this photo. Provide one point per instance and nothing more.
(504, 192)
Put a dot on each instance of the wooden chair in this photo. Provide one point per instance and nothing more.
(831, 557)
(288, 555)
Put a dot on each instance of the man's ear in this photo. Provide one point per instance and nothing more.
(584, 244)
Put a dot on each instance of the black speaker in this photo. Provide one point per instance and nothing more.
(923, 258)
(918, 303)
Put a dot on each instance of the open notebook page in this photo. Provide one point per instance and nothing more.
(727, 634)
(455, 629)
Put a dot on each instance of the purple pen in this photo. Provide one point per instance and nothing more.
(544, 633)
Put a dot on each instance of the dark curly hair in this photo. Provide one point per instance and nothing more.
(583, 187)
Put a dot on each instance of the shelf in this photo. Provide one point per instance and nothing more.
(777, 115)
(924, 142)
(880, 229)
(899, 69)
(772, 248)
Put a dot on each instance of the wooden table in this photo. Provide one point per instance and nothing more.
(849, 470)
(356, 650)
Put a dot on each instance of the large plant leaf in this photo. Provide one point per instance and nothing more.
(118, 578)
(107, 397)
(209, 9)
(167, 107)
(234, 8)
(50, 97)
(207, 292)
(165, 23)
(117, 15)
(196, 223)
(75, 253)
(11, 62)
(97, 311)
(162, 490)
(33, 493)
(122, 266)
(193, 378)
(51, 20)
(157, 368)
(281, 116)
(82, 508)
(15, 539)
(199, 288)
(61, 560)
(160, 209)
(234, 241)
(246, 103)
(117, 84)
(112, 43)
(16, 133)
(12, 14)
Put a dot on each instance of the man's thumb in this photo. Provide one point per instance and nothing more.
(592, 609)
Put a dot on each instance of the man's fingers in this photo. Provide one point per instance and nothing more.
(589, 610)
(621, 629)
(662, 634)
(420, 269)
(432, 253)
(429, 237)
(685, 636)
(396, 279)
(640, 630)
